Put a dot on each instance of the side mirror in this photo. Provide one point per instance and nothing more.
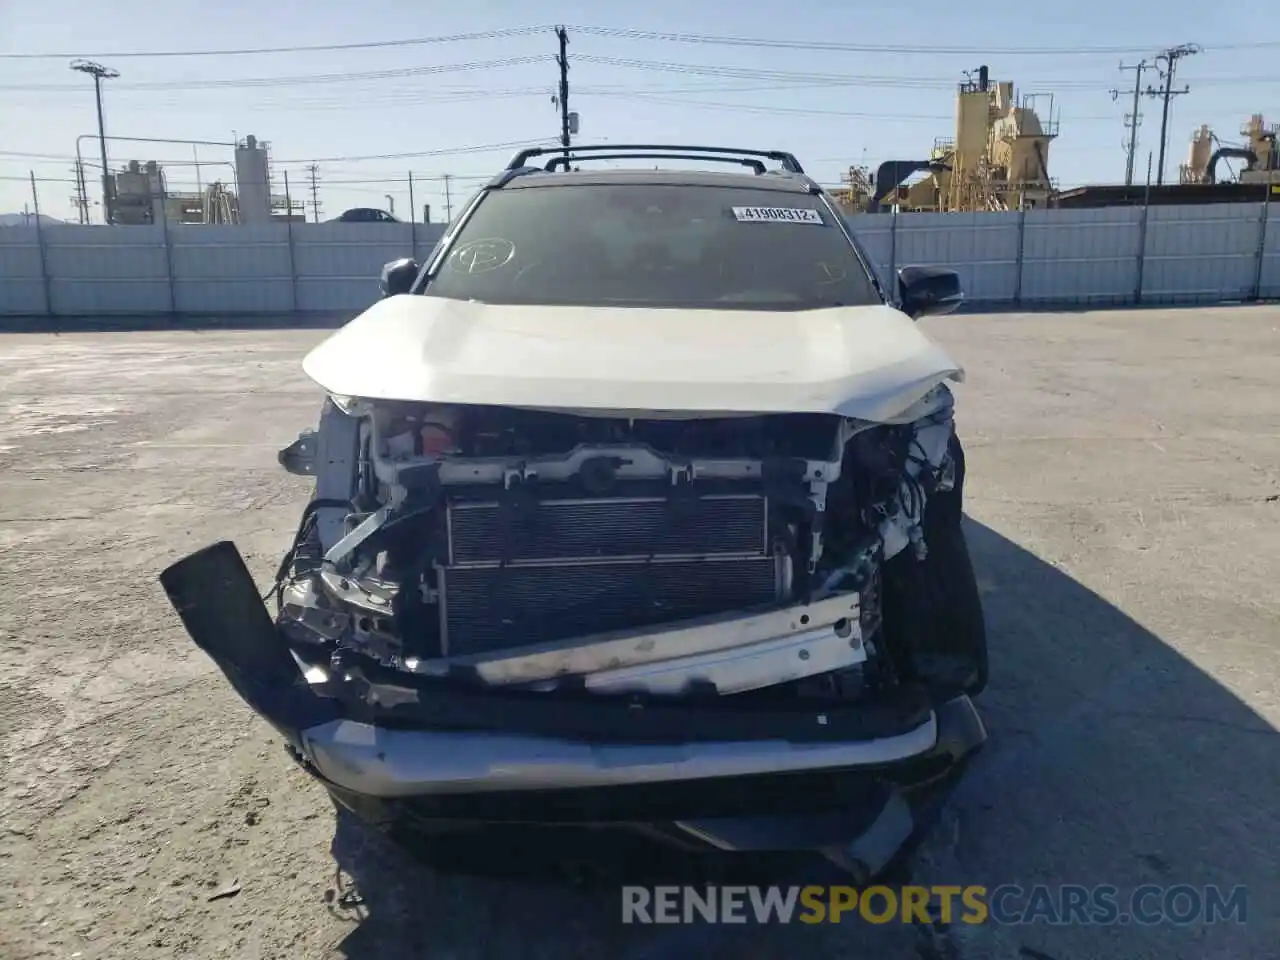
(928, 291)
(398, 276)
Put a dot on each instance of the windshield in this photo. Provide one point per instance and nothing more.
(654, 246)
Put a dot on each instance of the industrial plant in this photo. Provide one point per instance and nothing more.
(1262, 161)
(138, 193)
(998, 160)
(1201, 179)
(995, 160)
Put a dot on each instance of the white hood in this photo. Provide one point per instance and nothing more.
(865, 362)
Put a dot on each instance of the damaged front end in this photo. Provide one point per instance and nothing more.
(743, 627)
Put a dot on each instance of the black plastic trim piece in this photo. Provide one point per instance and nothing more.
(788, 160)
(756, 165)
(444, 705)
(222, 610)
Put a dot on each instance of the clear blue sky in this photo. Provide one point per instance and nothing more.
(831, 107)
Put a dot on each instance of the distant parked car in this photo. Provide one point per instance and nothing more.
(365, 215)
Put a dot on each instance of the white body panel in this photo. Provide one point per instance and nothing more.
(868, 362)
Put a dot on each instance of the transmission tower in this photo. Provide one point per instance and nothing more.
(1167, 64)
(81, 199)
(313, 172)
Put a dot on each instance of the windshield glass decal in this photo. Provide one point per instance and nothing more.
(477, 256)
(777, 215)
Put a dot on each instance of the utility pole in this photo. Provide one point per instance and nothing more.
(448, 203)
(1132, 120)
(312, 171)
(1170, 60)
(100, 73)
(563, 98)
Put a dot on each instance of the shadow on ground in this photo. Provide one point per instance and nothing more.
(1112, 760)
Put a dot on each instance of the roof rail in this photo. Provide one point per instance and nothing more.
(657, 151)
(756, 165)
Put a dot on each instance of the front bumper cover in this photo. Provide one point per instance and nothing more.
(721, 778)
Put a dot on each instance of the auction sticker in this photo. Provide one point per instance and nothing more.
(777, 215)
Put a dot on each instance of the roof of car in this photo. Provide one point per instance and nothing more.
(776, 182)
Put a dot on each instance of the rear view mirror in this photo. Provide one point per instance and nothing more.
(398, 276)
(928, 291)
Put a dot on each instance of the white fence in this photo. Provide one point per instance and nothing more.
(274, 268)
(1114, 255)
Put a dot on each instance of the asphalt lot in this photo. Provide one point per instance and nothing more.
(1124, 496)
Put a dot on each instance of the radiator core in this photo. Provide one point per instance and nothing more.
(531, 572)
(494, 608)
(616, 527)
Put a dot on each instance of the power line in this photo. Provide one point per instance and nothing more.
(446, 152)
(771, 43)
(470, 94)
(304, 79)
(792, 78)
(345, 176)
(640, 93)
(453, 151)
(36, 156)
(649, 35)
(836, 79)
(801, 111)
(312, 48)
(403, 178)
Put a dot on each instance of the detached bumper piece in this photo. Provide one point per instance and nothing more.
(701, 774)
(222, 611)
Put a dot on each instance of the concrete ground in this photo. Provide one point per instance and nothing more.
(1124, 476)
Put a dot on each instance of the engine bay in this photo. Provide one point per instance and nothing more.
(443, 535)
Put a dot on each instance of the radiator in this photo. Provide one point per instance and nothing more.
(616, 527)
(551, 570)
(494, 608)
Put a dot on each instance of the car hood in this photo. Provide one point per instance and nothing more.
(867, 362)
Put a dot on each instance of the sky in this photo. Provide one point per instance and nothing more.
(842, 83)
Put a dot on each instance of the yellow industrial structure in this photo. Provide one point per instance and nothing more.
(1262, 161)
(998, 158)
(855, 193)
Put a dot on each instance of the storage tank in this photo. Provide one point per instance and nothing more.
(973, 118)
(253, 181)
(1198, 155)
